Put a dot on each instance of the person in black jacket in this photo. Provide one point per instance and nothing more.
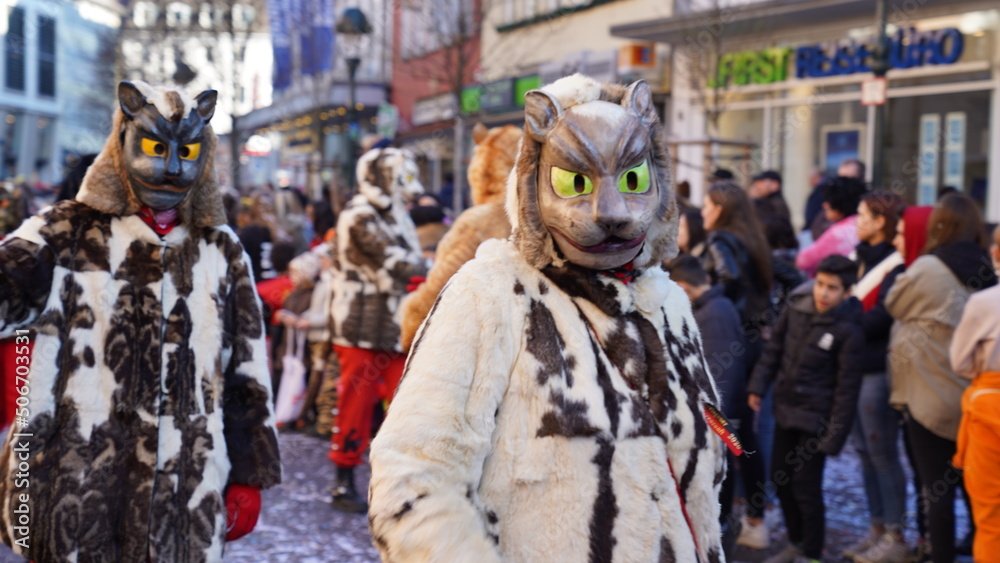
(813, 361)
(737, 255)
(725, 349)
(876, 429)
(738, 258)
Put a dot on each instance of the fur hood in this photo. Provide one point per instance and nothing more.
(529, 234)
(491, 162)
(106, 186)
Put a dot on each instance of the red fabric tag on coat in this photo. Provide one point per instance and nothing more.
(718, 423)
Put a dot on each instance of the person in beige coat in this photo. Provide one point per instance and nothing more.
(491, 164)
(927, 303)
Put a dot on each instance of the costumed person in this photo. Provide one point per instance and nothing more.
(554, 403)
(150, 403)
(377, 252)
(492, 160)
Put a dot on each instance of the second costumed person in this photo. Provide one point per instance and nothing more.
(554, 402)
(377, 252)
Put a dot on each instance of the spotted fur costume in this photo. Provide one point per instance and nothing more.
(149, 389)
(377, 252)
(549, 412)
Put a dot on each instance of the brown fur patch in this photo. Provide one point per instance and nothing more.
(491, 164)
(176, 107)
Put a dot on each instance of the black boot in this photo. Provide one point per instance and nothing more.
(345, 494)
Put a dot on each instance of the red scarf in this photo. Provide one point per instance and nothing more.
(160, 221)
(625, 274)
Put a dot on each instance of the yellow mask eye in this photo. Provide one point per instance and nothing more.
(570, 184)
(635, 180)
(190, 152)
(153, 148)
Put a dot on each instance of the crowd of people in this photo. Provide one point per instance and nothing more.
(871, 331)
(876, 324)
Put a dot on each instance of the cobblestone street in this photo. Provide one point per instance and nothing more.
(297, 524)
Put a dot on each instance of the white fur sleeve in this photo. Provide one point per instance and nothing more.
(700, 470)
(428, 457)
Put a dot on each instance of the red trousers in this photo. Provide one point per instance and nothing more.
(366, 376)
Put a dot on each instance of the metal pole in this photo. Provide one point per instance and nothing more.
(352, 119)
(458, 163)
(880, 66)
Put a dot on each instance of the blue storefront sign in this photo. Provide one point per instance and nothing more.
(908, 48)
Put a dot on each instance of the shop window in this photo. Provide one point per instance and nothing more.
(937, 141)
(14, 50)
(46, 56)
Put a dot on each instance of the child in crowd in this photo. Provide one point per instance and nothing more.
(812, 360)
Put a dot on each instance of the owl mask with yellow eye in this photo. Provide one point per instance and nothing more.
(592, 182)
(159, 154)
(163, 142)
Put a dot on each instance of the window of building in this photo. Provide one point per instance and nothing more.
(144, 14)
(429, 25)
(178, 15)
(206, 18)
(243, 17)
(46, 56)
(14, 50)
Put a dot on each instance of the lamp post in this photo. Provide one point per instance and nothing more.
(880, 66)
(352, 26)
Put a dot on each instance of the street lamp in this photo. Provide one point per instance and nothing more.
(880, 67)
(352, 27)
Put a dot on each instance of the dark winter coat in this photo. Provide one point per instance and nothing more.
(725, 347)
(876, 322)
(772, 206)
(728, 263)
(813, 361)
(256, 240)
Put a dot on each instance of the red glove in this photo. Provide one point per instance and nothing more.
(415, 282)
(242, 510)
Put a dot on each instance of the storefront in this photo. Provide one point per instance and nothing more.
(789, 80)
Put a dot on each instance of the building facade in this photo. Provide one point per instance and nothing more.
(58, 84)
(786, 87)
(309, 134)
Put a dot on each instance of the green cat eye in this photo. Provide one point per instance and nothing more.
(635, 180)
(570, 184)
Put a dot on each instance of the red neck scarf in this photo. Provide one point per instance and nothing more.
(625, 274)
(160, 221)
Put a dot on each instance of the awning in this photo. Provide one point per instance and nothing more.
(765, 17)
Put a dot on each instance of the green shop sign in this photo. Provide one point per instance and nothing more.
(752, 67)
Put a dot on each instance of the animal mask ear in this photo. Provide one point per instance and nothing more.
(479, 133)
(541, 111)
(206, 104)
(638, 99)
(130, 98)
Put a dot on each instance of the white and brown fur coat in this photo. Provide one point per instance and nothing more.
(376, 253)
(149, 389)
(549, 412)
